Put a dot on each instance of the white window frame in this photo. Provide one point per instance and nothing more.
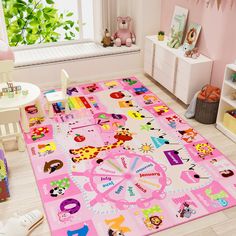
(4, 36)
(3, 30)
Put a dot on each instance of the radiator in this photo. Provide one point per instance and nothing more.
(52, 54)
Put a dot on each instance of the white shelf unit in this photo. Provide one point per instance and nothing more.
(226, 103)
(181, 75)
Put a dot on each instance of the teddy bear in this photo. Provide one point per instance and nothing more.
(124, 35)
(107, 41)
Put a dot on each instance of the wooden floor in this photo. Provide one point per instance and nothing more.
(25, 196)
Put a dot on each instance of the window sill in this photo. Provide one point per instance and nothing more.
(39, 56)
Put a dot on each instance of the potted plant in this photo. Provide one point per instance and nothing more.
(161, 35)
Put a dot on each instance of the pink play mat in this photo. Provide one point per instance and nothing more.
(123, 163)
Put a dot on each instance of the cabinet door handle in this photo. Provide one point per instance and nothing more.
(175, 73)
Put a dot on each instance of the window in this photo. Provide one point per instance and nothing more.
(34, 22)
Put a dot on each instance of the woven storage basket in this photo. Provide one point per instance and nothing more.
(206, 112)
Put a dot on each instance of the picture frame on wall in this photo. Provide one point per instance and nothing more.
(178, 25)
(192, 36)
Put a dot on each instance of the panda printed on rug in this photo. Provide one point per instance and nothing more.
(57, 191)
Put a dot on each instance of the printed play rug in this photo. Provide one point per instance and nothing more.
(123, 163)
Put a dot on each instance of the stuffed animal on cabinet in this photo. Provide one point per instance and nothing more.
(124, 34)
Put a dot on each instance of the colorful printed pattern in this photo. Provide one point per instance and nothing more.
(4, 185)
(123, 163)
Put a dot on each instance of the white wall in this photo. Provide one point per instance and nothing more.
(151, 17)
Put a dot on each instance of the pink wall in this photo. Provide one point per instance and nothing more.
(218, 36)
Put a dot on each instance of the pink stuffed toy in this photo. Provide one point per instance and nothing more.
(124, 35)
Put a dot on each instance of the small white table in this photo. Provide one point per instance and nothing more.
(21, 101)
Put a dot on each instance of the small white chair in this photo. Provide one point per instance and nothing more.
(6, 69)
(60, 96)
(10, 127)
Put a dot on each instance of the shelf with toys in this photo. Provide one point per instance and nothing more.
(230, 83)
(226, 119)
(228, 100)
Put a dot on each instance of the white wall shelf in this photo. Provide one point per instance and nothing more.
(226, 131)
(230, 83)
(229, 101)
(181, 75)
(232, 67)
(226, 103)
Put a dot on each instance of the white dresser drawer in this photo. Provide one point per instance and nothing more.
(148, 67)
(165, 56)
(183, 66)
(149, 45)
(148, 56)
(184, 78)
(148, 64)
(182, 86)
(165, 67)
(164, 79)
(181, 93)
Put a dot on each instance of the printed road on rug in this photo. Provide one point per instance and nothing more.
(123, 163)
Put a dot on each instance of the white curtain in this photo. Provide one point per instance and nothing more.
(3, 30)
(109, 14)
(111, 9)
(145, 16)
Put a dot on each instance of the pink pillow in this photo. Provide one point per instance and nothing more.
(6, 52)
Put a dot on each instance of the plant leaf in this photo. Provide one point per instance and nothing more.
(70, 14)
(49, 1)
(36, 21)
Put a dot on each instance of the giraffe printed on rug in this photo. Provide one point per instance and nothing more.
(90, 152)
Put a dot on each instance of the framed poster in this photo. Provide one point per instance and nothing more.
(192, 35)
(178, 24)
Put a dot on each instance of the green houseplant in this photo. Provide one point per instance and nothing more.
(37, 21)
(161, 35)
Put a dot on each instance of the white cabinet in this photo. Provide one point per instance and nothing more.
(180, 75)
(148, 57)
(226, 103)
(164, 67)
